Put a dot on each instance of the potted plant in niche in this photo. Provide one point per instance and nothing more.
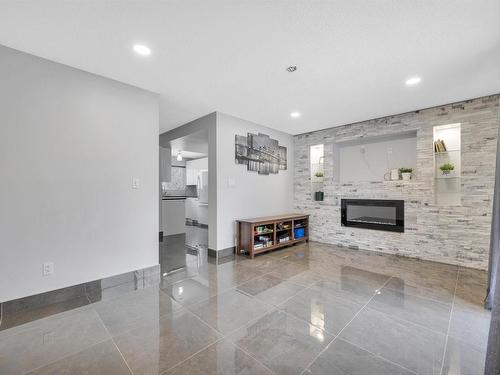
(446, 169)
(318, 177)
(406, 173)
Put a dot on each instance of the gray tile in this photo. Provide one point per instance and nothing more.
(411, 346)
(431, 284)
(463, 359)
(100, 359)
(261, 263)
(157, 345)
(229, 311)
(270, 289)
(343, 358)
(17, 318)
(281, 342)
(49, 339)
(192, 290)
(322, 309)
(297, 273)
(470, 323)
(97, 292)
(122, 313)
(42, 300)
(355, 291)
(221, 358)
(232, 274)
(428, 313)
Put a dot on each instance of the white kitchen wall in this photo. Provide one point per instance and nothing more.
(70, 144)
(241, 193)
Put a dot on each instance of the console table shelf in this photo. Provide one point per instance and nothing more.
(255, 235)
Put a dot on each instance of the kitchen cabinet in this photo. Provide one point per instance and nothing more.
(173, 216)
(191, 175)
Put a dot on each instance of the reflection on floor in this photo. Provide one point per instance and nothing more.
(311, 308)
(179, 249)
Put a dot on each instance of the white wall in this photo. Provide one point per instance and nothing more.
(70, 143)
(252, 194)
(369, 159)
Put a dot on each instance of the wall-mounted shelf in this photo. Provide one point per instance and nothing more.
(447, 150)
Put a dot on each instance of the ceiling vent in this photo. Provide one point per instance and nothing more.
(291, 68)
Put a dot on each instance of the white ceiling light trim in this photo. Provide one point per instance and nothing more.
(142, 50)
(295, 114)
(412, 81)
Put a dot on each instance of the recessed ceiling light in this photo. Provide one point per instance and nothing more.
(142, 50)
(413, 81)
(291, 68)
(295, 114)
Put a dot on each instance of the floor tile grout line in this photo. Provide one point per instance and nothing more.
(285, 300)
(205, 323)
(18, 329)
(114, 342)
(222, 337)
(449, 323)
(397, 318)
(427, 298)
(379, 356)
(191, 356)
(67, 355)
(342, 330)
(251, 356)
(76, 352)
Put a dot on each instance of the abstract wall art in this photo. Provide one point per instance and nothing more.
(260, 153)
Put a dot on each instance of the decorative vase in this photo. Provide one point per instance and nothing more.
(446, 173)
(406, 176)
(319, 195)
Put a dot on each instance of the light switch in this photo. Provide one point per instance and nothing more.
(231, 182)
(48, 268)
(135, 183)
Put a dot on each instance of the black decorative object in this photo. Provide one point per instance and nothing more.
(260, 153)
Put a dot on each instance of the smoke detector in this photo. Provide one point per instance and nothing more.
(291, 68)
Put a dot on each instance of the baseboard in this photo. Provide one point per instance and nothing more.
(26, 309)
(228, 251)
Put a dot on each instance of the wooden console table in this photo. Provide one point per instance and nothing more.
(261, 234)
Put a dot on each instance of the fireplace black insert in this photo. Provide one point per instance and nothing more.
(381, 214)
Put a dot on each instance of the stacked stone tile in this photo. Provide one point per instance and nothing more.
(448, 234)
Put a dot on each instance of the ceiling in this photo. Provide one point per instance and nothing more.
(353, 57)
(191, 146)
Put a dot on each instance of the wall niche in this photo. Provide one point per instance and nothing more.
(372, 158)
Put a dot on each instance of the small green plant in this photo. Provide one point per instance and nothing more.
(447, 168)
(319, 174)
(405, 170)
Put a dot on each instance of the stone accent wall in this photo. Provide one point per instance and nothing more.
(453, 234)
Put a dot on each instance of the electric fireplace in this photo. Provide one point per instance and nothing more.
(380, 214)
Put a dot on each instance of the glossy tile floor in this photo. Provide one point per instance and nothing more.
(311, 309)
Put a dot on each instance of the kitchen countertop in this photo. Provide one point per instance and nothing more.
(174, 197)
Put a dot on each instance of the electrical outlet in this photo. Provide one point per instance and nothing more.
(135, 183)
(48, 268)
